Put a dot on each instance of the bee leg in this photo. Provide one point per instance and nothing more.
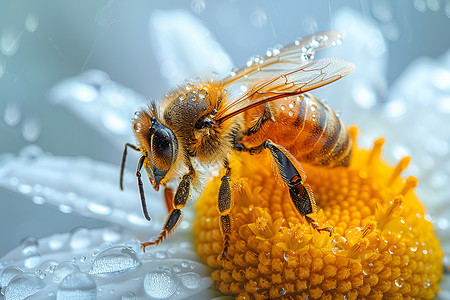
(168, 197)
(224, 205)
(174, 218)
(122, 165)
(141, 187)
(294, 177)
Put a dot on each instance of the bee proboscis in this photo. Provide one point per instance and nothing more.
(260, 107)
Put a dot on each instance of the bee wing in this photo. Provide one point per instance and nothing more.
(290, 57)
(305, 78)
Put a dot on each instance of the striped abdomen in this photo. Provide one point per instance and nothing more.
(306, 127)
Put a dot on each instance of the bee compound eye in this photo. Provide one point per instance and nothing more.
(163, 148)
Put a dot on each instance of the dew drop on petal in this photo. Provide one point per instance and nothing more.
(111, 235)
(30, 153)
(31, 129)
(9, 42)
(190, 280)
(160, 283)
(99, 209)
(64, 208)
(22, 286)
(115, 261)
(63, 269)
(12, 114)
(129, 296)
(57, 241)
(77, 286)
(198, 6)
(80, 238)
(9, 274)
(31, 252)
(38, 200)
(31, 22)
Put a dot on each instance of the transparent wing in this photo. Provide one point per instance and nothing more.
(278, 60)
(308, 77)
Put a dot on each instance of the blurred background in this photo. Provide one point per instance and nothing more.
(45, 42)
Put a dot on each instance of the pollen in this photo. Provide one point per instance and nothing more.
(382, 246)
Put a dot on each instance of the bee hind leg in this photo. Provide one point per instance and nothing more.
(294, 177)
(224, 206)
(175, 216)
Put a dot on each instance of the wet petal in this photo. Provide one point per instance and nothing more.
(186, 48)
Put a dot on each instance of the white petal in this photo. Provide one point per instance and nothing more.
(113, 264)
(84, 186)
(186, 48)
(105, 105)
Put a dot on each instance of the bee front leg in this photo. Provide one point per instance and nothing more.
(224, 206)
(174, 218)
(293, 176)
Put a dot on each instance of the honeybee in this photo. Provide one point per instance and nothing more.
(260, 107)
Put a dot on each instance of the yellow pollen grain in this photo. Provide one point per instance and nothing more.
(382, 245)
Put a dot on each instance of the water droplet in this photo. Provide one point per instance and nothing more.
(184, 263)
(181, 97)
(433, 5)
(31, 252)
(188, 86)
(234, 72)
(100, 209)
(115, 261)
(12, 114)
(283, 107)
(291, 105)
(46, 268)
(9, 274)
(190, 280)
(111, 235)
(38, 200)
(282, 291)
(114, 122)
(31, 129)
(160, 254)
(160, 283)
(22, 286)
(176, 268)
(243, 88)
(31, 153)
(77, 286)
(290, 113)
(57, 241)
(129, 296)
(63, 269)
(9, 41)
(198, 6)
(25, 188)
(31, 22)
(202, 94)
(80, 238)
(258, 18)
(313, 107)
(413, 249)
(420, 5)
(134, 244)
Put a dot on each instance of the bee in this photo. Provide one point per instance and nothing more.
(262, 107)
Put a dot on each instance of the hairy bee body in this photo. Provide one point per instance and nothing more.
(306, 127)
(262, 107)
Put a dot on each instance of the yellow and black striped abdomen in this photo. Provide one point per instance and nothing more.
(307, 128)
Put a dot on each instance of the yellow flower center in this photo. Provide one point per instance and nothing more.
(382, 245)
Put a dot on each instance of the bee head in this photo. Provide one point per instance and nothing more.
(162, 152)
